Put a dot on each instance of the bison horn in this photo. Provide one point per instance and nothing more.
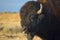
(40, 10)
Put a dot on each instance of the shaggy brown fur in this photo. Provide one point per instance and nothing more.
(44, 25)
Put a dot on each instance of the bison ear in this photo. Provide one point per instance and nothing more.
(40, 10)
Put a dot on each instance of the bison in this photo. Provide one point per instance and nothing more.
(36, 19)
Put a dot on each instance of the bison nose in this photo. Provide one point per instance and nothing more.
(24, 29)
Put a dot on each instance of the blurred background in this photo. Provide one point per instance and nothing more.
(10, 26)
(9, 13)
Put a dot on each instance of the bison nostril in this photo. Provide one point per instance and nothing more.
(24, 29)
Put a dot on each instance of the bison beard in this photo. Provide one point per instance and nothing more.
(43, 25)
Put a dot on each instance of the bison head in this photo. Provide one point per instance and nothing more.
(31, 16)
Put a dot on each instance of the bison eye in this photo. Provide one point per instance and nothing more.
(34, 19)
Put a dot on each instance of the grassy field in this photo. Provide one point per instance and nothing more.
(10, 27)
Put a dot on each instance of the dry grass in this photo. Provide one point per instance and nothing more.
(10, 27)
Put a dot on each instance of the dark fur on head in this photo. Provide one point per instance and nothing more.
(29, 17)
(44, 25)
(35, 23)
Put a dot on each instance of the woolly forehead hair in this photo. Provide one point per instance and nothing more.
(31, 6)
(28, 13)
